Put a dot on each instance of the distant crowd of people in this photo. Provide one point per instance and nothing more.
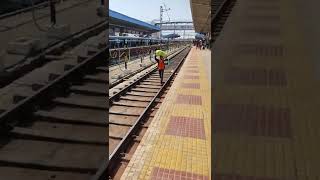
(201, 44)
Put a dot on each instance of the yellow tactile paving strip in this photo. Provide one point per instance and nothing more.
(178, 154)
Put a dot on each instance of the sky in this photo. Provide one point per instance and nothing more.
(149, 10)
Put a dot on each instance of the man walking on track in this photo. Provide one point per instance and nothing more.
(160, 61)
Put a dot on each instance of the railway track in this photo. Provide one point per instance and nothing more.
(130, 112)
(221, 11)
(136, 52)
(52, 52)
(25, 9)
(37, 7)
(53, 47)
(59, 132)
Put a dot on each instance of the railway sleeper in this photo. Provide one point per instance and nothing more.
(58, 114)
(26, 133)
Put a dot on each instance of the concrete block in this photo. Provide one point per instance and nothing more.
(117, 76)
(23, 46)
(59, 31)
(127, 71)
(92, 42)
(142, 65)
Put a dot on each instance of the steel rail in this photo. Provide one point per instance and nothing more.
(116, 154)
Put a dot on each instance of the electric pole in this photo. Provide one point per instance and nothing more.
(162, 10)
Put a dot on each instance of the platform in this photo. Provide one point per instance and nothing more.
(266, 94)
(177, 142)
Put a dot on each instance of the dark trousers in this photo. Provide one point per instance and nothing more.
(161, 74)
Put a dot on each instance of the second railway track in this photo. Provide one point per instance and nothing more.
(147, 64)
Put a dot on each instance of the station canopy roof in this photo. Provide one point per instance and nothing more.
(201, 15)
(118, 19)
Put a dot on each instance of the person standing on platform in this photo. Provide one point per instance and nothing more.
(160, 61)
